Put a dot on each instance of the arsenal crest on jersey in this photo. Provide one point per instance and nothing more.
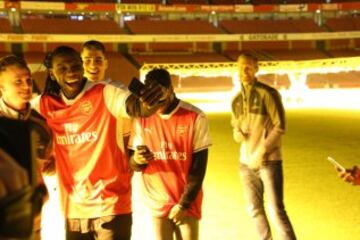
(86, 107)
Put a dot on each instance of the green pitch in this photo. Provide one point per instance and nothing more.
(319, 204)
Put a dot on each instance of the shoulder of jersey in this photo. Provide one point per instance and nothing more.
(190, 107)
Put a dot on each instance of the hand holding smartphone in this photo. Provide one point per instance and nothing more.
(149, 94)
(336, 164)
(143, 155)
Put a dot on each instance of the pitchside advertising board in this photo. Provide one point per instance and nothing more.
(127, 38)
(152, 8)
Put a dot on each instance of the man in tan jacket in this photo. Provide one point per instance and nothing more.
(258, 121)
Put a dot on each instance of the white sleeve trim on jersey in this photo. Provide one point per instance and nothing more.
(115, 98)
(201, 139)
(35, 103)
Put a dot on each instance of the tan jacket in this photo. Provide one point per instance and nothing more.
(258, 121)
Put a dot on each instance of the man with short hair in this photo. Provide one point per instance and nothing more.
(16, 91)
(171, 149)
(94, 60)
(95, 63)
(258, 121)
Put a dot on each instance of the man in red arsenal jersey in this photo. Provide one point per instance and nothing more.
(91, 163)
(171, 149)
(95, 63)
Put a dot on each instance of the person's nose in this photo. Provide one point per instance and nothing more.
(27, 85)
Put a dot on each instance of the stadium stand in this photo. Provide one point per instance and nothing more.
(194, 83)
(68, 26)
(270, 26)
(143, 26)
(134, 54)
(178, 58)
(334, 80)
(5, 26)
(275, 80)
(120, 69)
(342, 24)
(344, 53)
(171, 27)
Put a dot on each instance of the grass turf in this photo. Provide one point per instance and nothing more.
(319, 204)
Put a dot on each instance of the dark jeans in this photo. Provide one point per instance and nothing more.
(268, 178)
(116, 227)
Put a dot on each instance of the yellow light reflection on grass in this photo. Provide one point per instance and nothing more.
(332, 98)
(215, 102)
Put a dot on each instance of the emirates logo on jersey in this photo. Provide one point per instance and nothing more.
(168, 152)
(73, 136)
(86, 107)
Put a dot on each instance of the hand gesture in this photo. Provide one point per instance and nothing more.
(152, 94)
(351, 175)
(177, 214)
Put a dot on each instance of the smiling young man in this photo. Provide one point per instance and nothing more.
(94, 176)
(258, 121)
(15, 87)
(94, 60)
(95, 63)
(16, 90)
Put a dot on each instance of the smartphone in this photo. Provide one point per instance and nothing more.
(142, 147)
(18, 138)
(136, 86)
(336, 164)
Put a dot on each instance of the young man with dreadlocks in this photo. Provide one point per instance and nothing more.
(92, 165)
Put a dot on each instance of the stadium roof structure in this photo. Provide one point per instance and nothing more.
(266, 67)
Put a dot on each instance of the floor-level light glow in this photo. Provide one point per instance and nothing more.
(304, 98)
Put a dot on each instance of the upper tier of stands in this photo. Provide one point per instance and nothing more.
(190, 52)
(179, 58)
(62, 25)
(270, 26)
(343, 24)
(5, 26)
(171, 27)
(142, 26)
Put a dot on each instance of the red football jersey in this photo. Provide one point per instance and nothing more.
(93, 170)
(173, 138)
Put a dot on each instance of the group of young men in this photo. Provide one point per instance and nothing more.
(87, 137)
(87, 117)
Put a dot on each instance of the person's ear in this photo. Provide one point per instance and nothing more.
(52, 76)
